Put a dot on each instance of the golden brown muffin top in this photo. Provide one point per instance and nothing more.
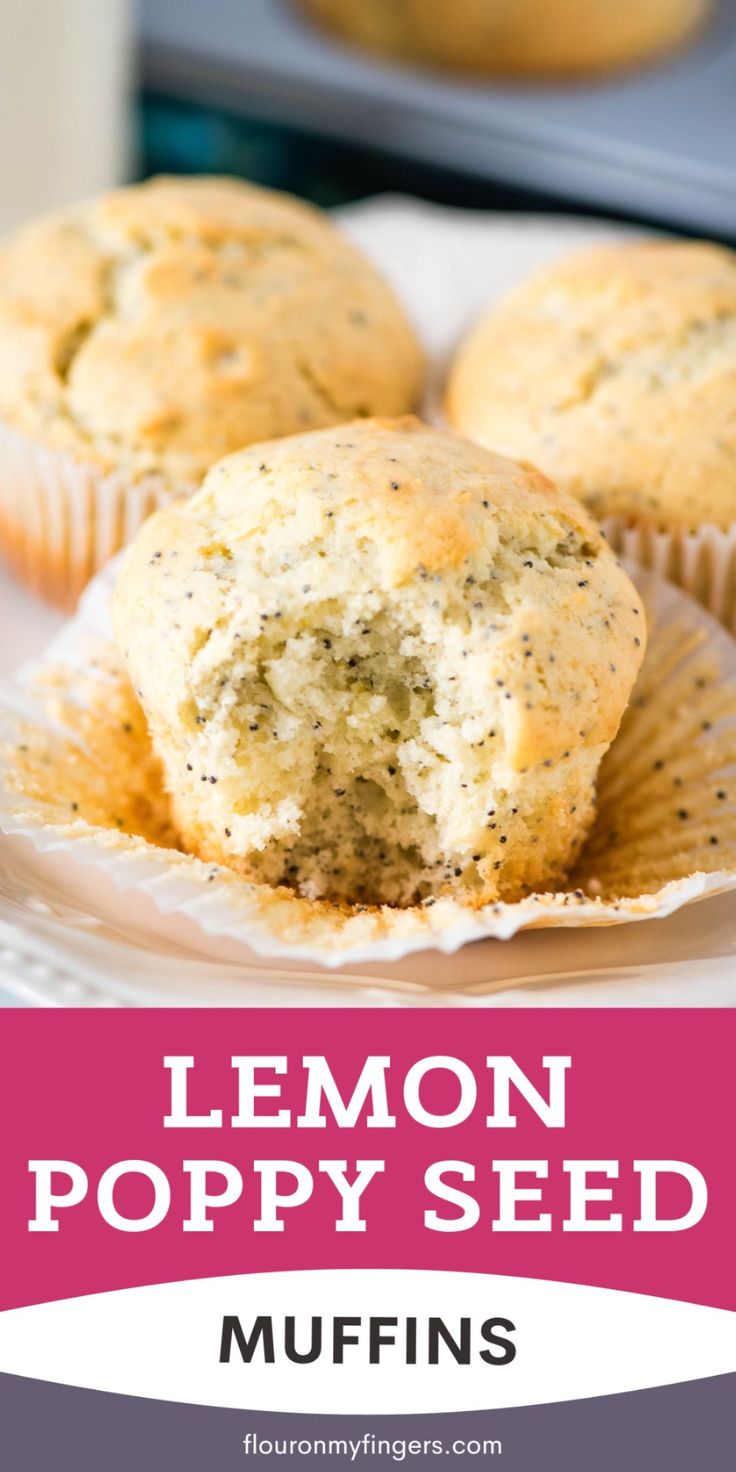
(615, 371)
(158, 327)
(448, 534)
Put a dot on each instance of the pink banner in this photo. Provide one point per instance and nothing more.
(643, 1111)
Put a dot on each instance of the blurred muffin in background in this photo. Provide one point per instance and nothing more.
(147, 332)
(614, 371)
(516, 36)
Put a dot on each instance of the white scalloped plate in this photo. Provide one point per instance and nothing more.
(67, 937)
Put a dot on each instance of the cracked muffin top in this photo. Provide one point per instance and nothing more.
(158, 327)
(615, 372)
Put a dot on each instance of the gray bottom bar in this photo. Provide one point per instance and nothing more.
(678, 1428)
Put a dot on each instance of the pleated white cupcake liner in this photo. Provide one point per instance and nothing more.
(702, 562)
(687, 726)
(62, 519)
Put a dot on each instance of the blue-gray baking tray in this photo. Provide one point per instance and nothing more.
(658, 142)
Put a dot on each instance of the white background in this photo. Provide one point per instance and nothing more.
(163, 1342)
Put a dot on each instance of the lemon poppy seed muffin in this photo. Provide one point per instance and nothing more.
(615, 371)
(148, 332)
(379, 665)
(516, 36)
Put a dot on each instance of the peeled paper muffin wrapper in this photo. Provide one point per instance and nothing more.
(62, 519)
(77, 774)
